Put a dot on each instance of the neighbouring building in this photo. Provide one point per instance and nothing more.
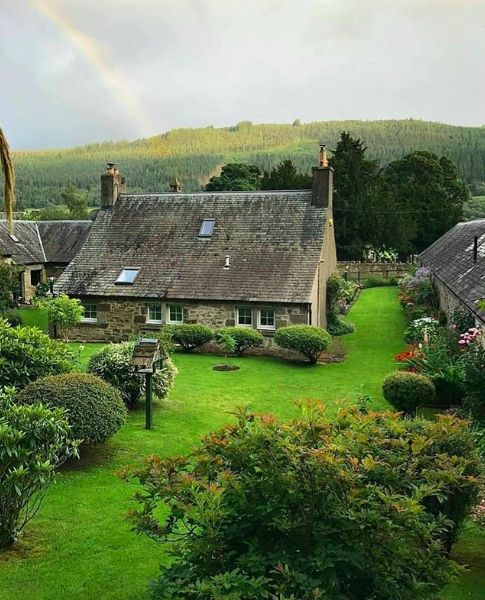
(41, 249)
(253, 259)
(457, 263)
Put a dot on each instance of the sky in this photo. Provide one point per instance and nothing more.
(81, 71)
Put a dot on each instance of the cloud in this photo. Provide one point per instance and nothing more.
(81, 71)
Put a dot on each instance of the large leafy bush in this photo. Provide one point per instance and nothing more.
(9, 283)
(244, 337)
(62, 311)
(34, 441)
(307, 339)
(26, 353)
(406, 391)
(340, 294)
(189, 336)
(113, 364)
(94, 408)
(474, 379)
(359, 506)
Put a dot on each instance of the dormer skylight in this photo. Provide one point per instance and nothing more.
(206, 228)
(128, 275)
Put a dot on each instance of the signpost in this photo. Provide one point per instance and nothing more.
(146, 356)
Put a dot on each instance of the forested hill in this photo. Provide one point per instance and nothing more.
(193, 155)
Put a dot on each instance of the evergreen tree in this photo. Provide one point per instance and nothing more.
(76, 202)
(285, 177)
(236, 177)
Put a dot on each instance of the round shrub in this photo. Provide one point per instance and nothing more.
(406, 391)
(94, 408)
(244, 337)
(307, 339)
(189, 336)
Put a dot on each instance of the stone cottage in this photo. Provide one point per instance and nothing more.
(457, 263)
(41, 249)
(253, 259)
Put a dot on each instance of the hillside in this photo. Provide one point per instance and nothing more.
(194, 154)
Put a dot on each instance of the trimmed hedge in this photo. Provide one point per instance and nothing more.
(94, 408)
(307, 339)
(244, 337)
(406, 391)
(189, 336)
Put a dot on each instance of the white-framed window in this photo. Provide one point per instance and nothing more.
(90, 314)
(154, 313)
(266, 318)
(128, 275)
(206, 228)
(244, 317)
(175, 313)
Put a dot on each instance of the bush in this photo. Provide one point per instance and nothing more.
(307, 339)
(26, 353)
(9, 283)
(12, 317)
(189, 336)
(340, 294)
(34, 441)
(406, 391)
(356, 504)
(379, 281)
(474, 380)
(419, 329)
(62, 311)
(337, 327)
(244, 337)
(94, 408)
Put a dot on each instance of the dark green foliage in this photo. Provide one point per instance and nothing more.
(379, 281)
(34, 441)
(26, 353)
(406, 391)
(76, 203)
(94, 408)
(474, 380)
(474, 208)
(340, 294)
(189, 336)
(308, 340)
(362, 505)
(461, 320)
(236, 177)
(337, 327)
(285, 177)
(113, 364)
(9, 285)
(12, 317)
(244, 337)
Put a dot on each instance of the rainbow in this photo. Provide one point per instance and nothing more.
(95, 55)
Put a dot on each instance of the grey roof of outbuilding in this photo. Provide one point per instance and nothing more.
(274, 240)
(451, 260)
(43, 241)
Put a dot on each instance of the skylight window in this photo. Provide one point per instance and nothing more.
(128, 275)
(206, 228)
(14, 238)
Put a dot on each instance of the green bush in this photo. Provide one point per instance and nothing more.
(12, 317)
(306, 339)
(474, 380)
(62, 311)
(26, 353)
(244, 337)
(340, 294)
(337, 327)
(94, 408)
(406, 391)
(34, 441)
(419, 329)
(9, 283)
(189, 336)
(379, 281)
(363, 505)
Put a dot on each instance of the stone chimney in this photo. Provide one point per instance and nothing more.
(176, 186)
(322, 186)
(112, 185)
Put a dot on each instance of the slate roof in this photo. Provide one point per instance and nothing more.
(274, 240)
(451, 260)
(43, 241)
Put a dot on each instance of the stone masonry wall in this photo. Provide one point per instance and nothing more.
(120, 320)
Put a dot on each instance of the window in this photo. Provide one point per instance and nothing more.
(154, 313)
(206, 227)
(175, 313)
(266, 318)
(245, 317)
(14, 238)
(90, 313)
(35, 277)
(128, 275)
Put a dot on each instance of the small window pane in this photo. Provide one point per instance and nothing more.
(154, 313)
(90, 312)
(176, 314)
(244, 316)
(128, 275)
(266, 318)
(206, 228)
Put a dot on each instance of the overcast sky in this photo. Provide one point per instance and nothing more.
(80, 71)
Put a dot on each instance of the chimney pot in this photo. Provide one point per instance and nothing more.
(322, 186)
(176, 186)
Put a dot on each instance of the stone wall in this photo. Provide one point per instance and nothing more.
(120, 319)
(448, 302)
(358, 271)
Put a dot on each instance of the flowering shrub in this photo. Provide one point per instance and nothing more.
(473, 360)
(418, 294)
(421, 330)
(470, 336)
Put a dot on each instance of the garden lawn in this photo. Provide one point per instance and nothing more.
(80, 544)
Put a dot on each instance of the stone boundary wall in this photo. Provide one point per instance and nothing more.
(358, 271)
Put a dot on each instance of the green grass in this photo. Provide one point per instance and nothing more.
(34, 317)
(80, 544)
